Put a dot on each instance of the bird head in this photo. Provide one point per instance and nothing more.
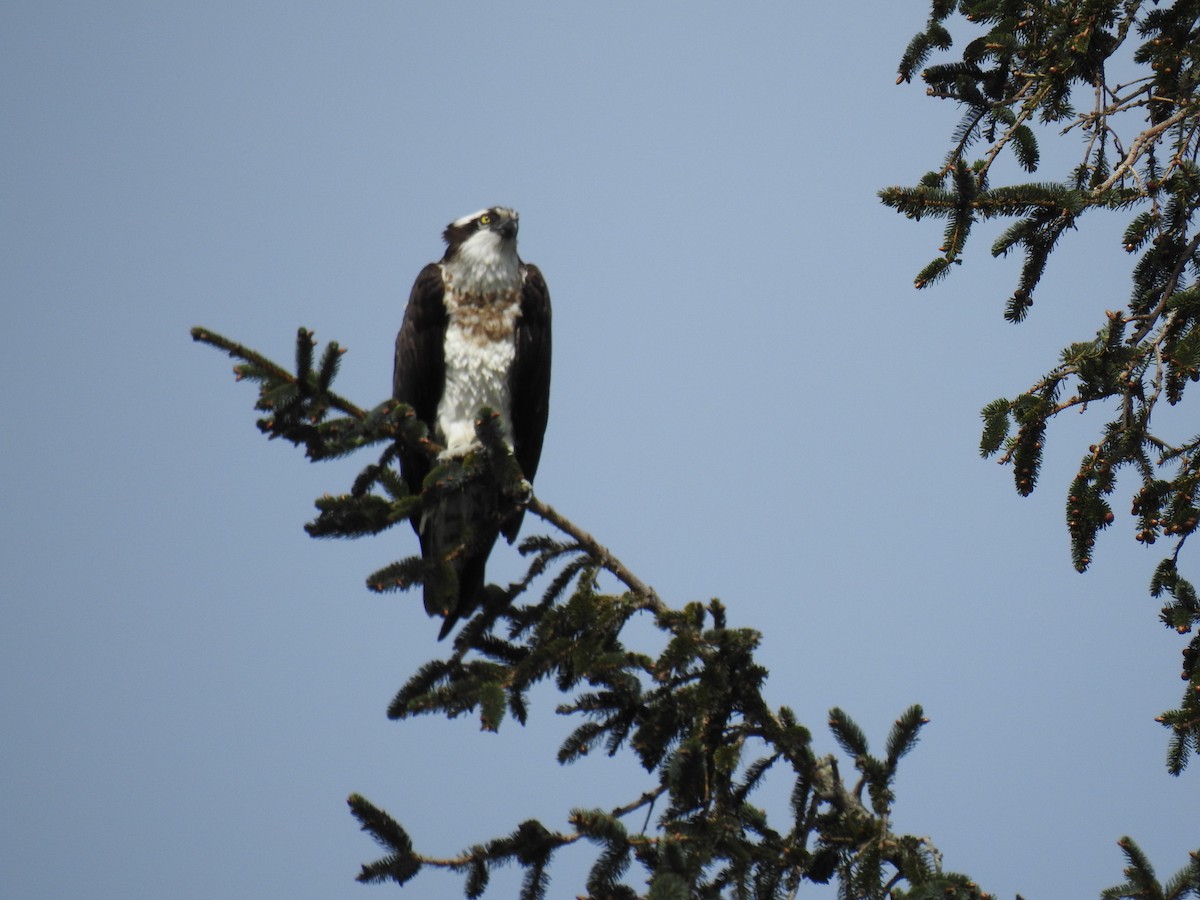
(493, 225)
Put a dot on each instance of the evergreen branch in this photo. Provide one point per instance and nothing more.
(598, 552)
(904, 735)
(240, 351)
(1041, 57)
(401, 864)
(276, 372)
(1029, 106)
(496, 851)
(1150, 319)
(690, 728)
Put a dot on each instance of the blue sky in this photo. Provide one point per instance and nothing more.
(750, 401)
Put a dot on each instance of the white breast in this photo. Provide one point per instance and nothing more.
(476, 376)
(483, 299)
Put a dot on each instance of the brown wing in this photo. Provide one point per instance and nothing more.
(530, 378)
(419, 373)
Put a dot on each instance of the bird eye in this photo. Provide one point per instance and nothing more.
(485, 219)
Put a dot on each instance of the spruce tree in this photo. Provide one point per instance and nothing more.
(1046, 65)
(689, 707)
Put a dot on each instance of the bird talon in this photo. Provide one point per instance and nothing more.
(521, 493)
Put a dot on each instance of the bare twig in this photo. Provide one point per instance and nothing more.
(1136, 149)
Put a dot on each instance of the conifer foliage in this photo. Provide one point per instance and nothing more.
(1049, 65)
(690, 708)
(691, 711)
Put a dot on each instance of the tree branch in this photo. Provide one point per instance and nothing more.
(599, 552)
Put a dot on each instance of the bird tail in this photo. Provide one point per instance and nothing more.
(457, 532)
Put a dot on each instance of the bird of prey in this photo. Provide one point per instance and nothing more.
(476, 333)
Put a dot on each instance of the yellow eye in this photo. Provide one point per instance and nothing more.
(485, 219)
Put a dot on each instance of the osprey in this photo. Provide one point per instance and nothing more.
(476, 333)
